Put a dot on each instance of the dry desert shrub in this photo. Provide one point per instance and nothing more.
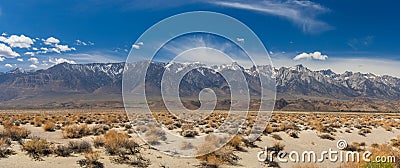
(117, 143)
(387, 127)
(49, 126)
(37, 121)
(37, 148)
(188, 131)
(395, 142)
(224, 155)
(327, 136)
(80, 146)
(276, 136)
(63, 151)
(236, 142)
(76, 131)
(277, 147)
(268, 129)
(154, 135)
(5, 149)
(91, 160)
(7, 124)
(15, 133)
(364, 131)
(135, 161)
(99, 141)
(220, 157)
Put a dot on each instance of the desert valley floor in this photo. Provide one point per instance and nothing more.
(105, 138)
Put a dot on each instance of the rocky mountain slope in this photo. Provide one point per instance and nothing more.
(93, 83)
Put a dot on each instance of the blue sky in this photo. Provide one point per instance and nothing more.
(341, 35)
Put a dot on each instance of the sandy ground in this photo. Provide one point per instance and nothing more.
(308, 140)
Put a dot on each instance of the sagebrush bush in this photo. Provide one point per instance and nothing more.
(37, 148)
(91, 160)
(5, 149)
(117, 143)
(63, 151)
(49, 126)
(80, 146)
(99, 141)
(16, 133)
(76, 131)
(217, 158)
(327, 136)
(155, 135)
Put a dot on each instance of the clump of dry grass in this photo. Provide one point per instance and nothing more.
(155, 135)
(236, 142)
(80, 146)
(99, 141)
(327, 136)
(5, 149)
(62, 151)
(37, 148)
(91, 160)
(220, 157)
(364, 131)
(135, 161)
(277, 147)
(49, 126)
(395, 142)
(15, 133)
(224, 155)
(76, 131)
(188, 131)
(276, 136)
(117, 143)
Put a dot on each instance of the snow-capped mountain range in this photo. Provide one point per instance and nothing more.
(106, 78)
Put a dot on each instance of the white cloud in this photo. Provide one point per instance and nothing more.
(29, 53)
(17, 41)
(302, 13)
(35, 49)
(54, 50)
(96, 57)
(34, 60)
(61, 60)
(240, 40)
(64, 48)
(135, 46)
(6, 51)
(2, 59)
(20, 60)
(51, 41)
(79, 42)
(8, 65)
(33, 66)
(3, 34)
(91, 43)
(315, 55)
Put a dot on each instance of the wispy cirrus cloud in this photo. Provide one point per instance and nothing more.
(302, 13)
